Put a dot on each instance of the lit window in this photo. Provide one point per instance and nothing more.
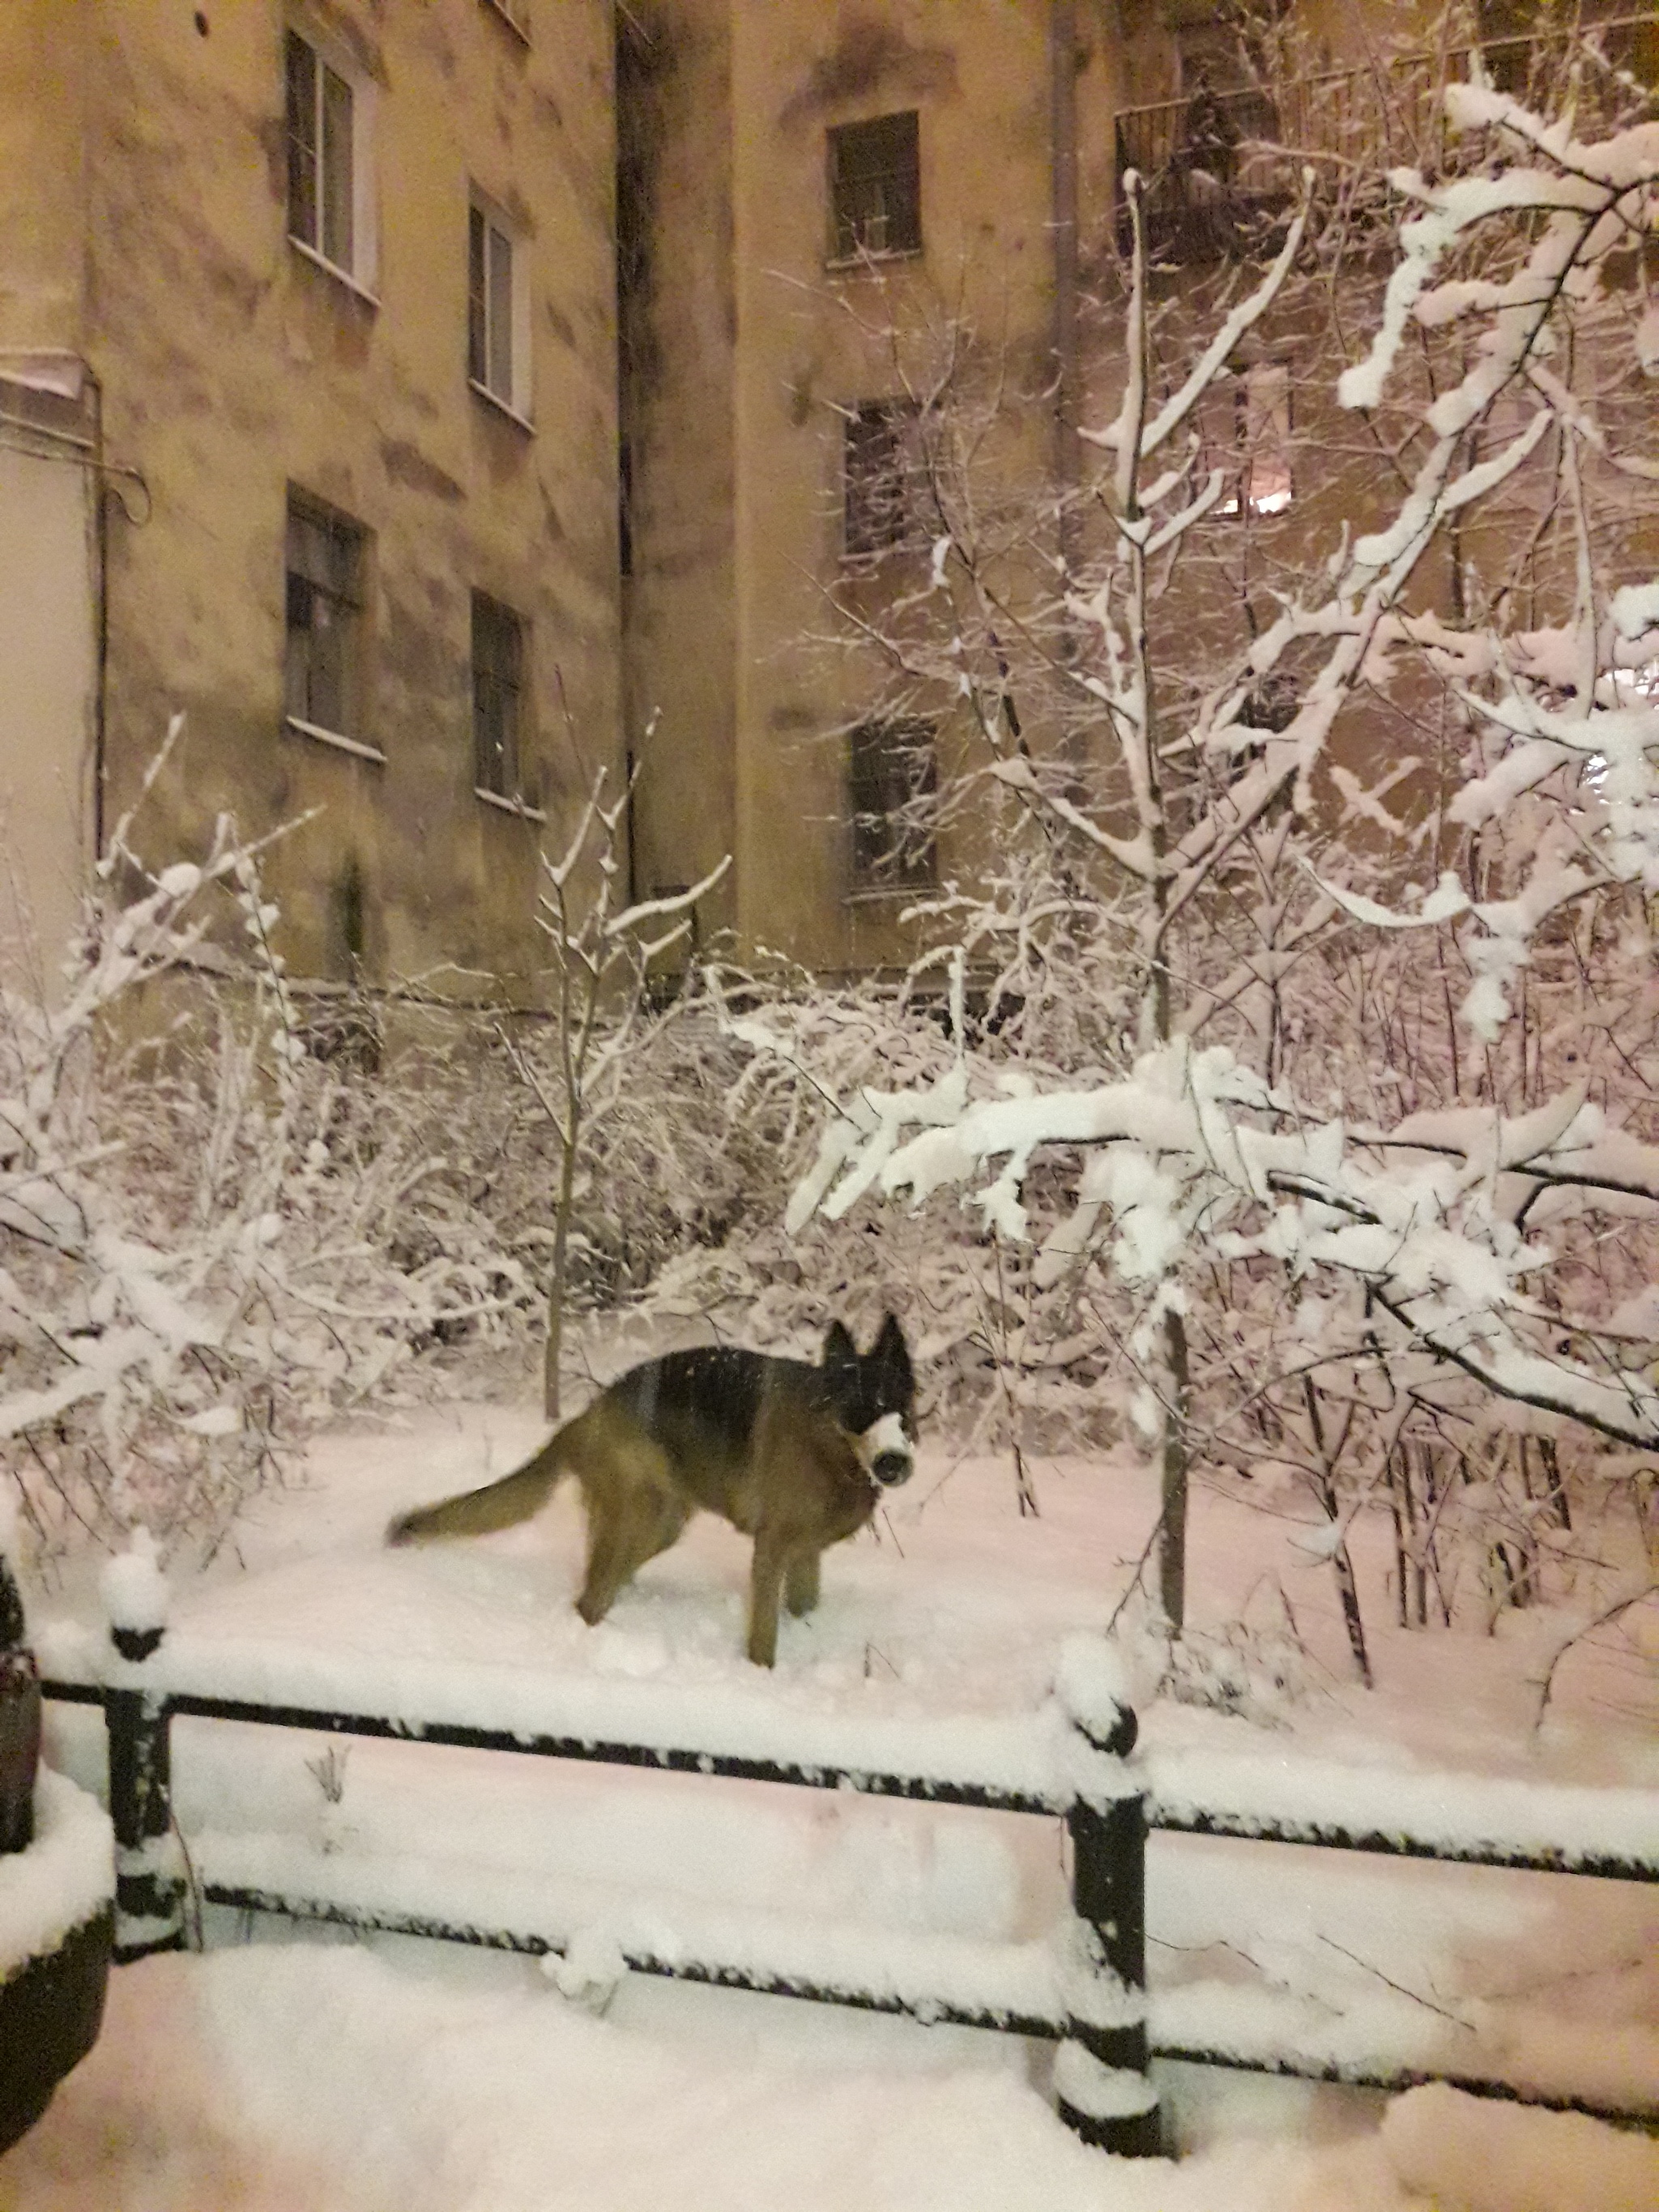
(322, 678)
(1248, 426)
(875, 187)
(326, 151)
(892, 780)
(497, 318)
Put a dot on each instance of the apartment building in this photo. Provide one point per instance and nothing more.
(307, 433)
(837, 222)
(437, 401)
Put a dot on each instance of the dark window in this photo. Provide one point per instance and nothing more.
(322, 668)
(880, 476)
(497, 696)
(1525, 44)
(875, 187)
(321, 182)
(893, 779)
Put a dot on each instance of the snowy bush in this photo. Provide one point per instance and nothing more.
(232, 1207)
(210, 1238)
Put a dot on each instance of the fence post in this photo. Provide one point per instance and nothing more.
(149, 1886)
(1101, 2082)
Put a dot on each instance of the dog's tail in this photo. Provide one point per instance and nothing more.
(498, 1505)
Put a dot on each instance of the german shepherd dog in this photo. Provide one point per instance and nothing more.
(794, 1455)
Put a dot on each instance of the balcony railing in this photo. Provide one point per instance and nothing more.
(1221, 168)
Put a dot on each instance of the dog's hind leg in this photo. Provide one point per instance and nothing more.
(801, 1585)
(623, 1532)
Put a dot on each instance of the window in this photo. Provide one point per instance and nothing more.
(322, 674)
(881, 477)
(497, 699)
(875, 187)
(893, 775)
(497, 317)
(1247, 437)
(327, 212)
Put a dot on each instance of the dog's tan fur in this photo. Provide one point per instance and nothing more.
(788, 1475)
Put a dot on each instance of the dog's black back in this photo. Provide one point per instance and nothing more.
(715, 1393)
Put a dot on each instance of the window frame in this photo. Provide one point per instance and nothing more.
(345, 728)
(490, 321)
(498, 772)
(848, 247)
(356, 267)
(905, 750)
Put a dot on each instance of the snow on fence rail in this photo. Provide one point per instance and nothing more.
(1473, 1820)
(1084, 1986)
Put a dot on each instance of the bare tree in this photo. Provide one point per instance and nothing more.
(600, 954)
(1204, 804)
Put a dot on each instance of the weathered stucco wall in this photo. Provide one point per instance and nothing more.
(814, 345)
(678, 335)
(48, 681)
(234, 369)
(43, 142)
(726, 634)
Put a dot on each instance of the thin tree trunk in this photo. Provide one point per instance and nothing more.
(1348, 1589)
(555, 1289)
(1174, 1468)
(1398, 1479)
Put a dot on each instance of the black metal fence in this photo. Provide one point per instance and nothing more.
(1100, 2020)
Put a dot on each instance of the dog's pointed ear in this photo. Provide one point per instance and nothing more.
(890, 1351)
(839, 1349)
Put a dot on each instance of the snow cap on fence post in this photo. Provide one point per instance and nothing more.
(134, 1593)
(1102, 2083)
(1094, 1693)
(150, 1875)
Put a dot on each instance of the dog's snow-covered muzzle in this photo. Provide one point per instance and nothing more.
(884, 1452)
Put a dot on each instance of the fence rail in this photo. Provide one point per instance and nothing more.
(1090, 1996)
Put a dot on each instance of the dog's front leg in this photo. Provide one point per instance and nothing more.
(765, 1592)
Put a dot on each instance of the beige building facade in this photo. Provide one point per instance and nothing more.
(436, 401)
(308, 356)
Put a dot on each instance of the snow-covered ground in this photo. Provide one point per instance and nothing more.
(307, 2069)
